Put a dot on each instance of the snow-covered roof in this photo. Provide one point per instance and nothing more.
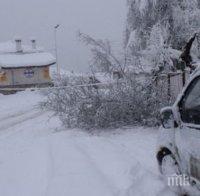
(10, 58)
(25, 60)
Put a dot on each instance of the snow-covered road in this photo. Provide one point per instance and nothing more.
(39, 158)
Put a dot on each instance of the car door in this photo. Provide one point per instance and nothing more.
(187, 136)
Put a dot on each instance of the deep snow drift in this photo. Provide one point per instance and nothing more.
(40, 158)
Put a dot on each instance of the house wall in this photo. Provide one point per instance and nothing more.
(5, 77)
(25, 76)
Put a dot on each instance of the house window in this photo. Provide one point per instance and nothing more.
(28, 73)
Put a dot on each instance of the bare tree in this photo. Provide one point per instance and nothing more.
(103, 57)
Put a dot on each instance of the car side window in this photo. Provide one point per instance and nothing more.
(190, 104)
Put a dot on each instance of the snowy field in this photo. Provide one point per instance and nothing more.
(39, 158)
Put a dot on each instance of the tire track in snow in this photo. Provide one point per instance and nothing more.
(11, 132)
(113, 189)
(50, 166)
(16, 120)
(17, 114)
(143, 172)
(79, 150)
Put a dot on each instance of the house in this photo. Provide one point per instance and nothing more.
(23, 66)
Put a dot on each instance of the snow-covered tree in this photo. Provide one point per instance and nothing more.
(156, 27)
(126, 103)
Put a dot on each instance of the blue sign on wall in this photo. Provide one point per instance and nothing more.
(28, 73)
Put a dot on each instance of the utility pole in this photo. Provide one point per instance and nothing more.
(56, 49)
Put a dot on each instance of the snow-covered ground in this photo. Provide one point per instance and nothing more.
(40, 158)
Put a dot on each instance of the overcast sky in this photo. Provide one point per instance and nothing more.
(28, 18)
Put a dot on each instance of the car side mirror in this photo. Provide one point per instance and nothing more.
(168, 118)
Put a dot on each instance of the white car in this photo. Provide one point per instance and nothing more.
(178, 151)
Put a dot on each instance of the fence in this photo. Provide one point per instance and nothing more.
(172, 83)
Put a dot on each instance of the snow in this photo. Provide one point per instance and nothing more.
(142, 4)
(132, 39)
(104, 78)
(38, 157)
(18, 103)
(26, 59)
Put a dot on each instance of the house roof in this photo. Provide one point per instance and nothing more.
(26, 60)
(10, 58)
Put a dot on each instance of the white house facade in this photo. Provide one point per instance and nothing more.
(24, 66)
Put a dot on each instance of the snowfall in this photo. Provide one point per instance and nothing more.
(38, 157)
